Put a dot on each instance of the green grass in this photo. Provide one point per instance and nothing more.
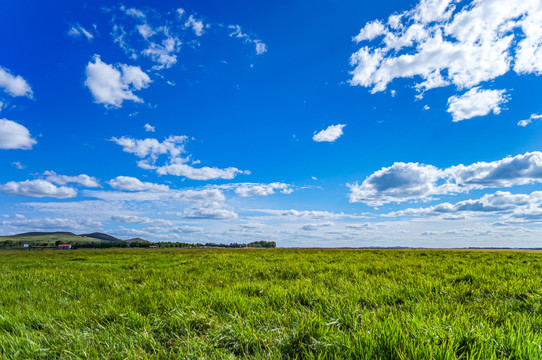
(270, 304)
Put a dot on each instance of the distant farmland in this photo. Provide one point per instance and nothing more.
(273, 303)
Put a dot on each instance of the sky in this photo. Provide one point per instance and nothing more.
(313, 124)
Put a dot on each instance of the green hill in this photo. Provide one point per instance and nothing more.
(101, 236)
(50, 239)
(137, 240)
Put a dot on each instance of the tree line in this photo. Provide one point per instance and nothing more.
(138, 244)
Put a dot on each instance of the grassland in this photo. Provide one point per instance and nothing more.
(272, 304)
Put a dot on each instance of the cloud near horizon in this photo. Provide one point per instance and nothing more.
(414, 181)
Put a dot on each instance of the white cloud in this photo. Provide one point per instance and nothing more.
(310, 214)
(149, 128)
(250, 189)
(510, 207)
(14, 136)
(476, 102)
(145, 30)
(53, 223)
(77, 31)
(399, 182)
(111, 85)
(196, 25)
(38, 188)
(120, 37)
(312, 227)
(133, 12)
(210, 210)
(18, 165)
(237, 32)
(82, 179)
(164, 53)
(332, 133)
(159, 35)
(133, 219)
(409, 181)
(212, 195)
(532, 118)
(14, 85)
(150, 149)
(134, 184)
(370, 31)
(438, 44)
(202, 173)
(187, 229)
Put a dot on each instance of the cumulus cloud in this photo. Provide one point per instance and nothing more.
(532, 118)
(173, 147)
(476, 102)
(332, 133)
(399, 182)
(150, 149)
(38, 188)
(14, 136)
(202, 173)
(210, 210)
(134, 184)
(149, 128)
(511, 207)
(112, 85)
(438, 43)
(409, 181)
(82, 179)
(251, 189)
(14, 85)
(237, 32)
(77, 31)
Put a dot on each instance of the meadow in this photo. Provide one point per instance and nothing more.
(270, 304)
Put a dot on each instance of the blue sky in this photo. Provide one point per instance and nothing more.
(340, 123)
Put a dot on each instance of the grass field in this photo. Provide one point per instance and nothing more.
(270, 304)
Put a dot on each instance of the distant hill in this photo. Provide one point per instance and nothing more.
(45, 233)
(137, 240)
(102, 236)
(51, 238)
